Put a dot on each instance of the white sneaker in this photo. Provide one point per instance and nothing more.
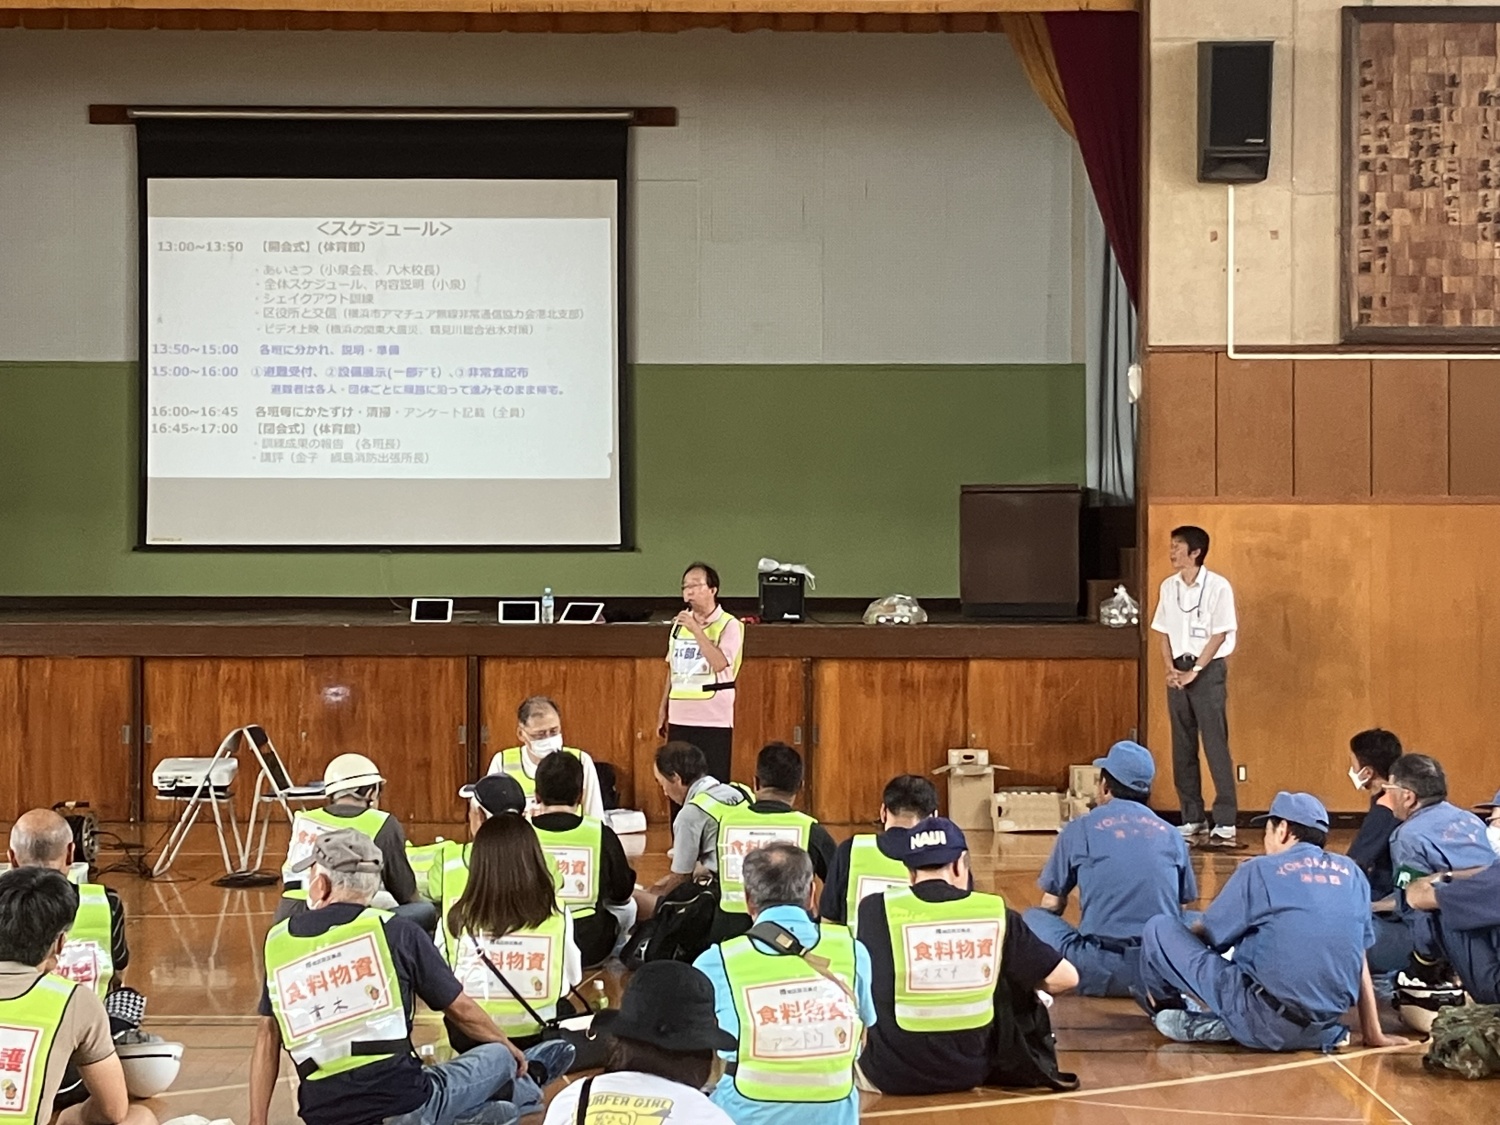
(1192, 828)
(1222, 834)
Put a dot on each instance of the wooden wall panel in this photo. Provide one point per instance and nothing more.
(1254, 426)
(650, 677)
(1474, 428)
(1041, 716)
(770, 706)
(73, 714)
(405, 713)
(1331, 430)
(1409, 428)
(190, 705)
(12, 737)
(595, 697)
(878, 718)
(1181, 421)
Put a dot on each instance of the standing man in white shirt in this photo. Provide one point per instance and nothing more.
(1195, 617)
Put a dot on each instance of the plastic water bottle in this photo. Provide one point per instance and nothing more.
(601, 998)
(548, 606)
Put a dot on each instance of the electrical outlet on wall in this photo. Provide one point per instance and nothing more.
(1244, 773)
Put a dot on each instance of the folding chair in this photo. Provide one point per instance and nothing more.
(273, 785)
(206, 792)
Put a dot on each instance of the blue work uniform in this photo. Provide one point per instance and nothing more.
(1299, 924)
(743, 1110)
(1469, 921)
(1129, 865)
(1371, 850)
(1439, 837)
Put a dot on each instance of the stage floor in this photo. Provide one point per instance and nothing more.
(194, 953)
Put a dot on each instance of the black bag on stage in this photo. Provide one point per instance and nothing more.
(680, 929)
(1023, 1050)
(589, 1048)
(609, 785)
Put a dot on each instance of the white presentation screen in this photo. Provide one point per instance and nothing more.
(381, 362)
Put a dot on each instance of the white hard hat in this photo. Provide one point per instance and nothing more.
(150, 1068)
(350, 771)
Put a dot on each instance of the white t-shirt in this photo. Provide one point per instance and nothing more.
(631, 1096)
(1190, 615)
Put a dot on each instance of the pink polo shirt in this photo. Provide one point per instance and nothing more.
(718, 709)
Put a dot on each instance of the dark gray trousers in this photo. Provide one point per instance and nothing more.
(1199, 709)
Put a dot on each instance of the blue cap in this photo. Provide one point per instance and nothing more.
(1299, 808)
(1130, 764)
(1490, 807)
(934, 842)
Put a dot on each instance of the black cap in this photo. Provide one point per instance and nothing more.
(670, 1004)
(496, 793)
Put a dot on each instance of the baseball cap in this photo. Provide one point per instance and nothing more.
(496, 793)
(343, 849)
(934, 842)
(1489, 806)
(1130, 764)
(1299, 808)
(670, 1004)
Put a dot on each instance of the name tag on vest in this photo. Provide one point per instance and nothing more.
(79, 962)
(949, 956)
(18, 1047)
(799, 1020)
(875, 885)
(575, 867)
(525, 959)
(741, 840)
(342, 982)
(305, 834)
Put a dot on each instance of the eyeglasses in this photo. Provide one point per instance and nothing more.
(695, 585)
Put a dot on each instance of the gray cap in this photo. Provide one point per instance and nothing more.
(343, 849)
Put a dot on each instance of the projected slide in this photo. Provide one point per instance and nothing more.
(381, 362)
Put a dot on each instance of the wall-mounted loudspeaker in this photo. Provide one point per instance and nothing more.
(1234, 112)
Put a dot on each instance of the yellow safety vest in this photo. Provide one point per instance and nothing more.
(421, 857)
(336, 996)
(713, 806)
(447, 879)
(28, 1026)
(741, 831)
(513, 762)
(531, 960)
(690, 669)
(307, 826)
(799, 1031)
(88, 955)
(947, 959)
(871, 871)
(577, 855)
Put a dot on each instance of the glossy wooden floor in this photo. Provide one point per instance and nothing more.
(193, 948)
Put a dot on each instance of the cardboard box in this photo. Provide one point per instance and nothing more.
(1026, 810)
(1081, 780)
(1074, 807)
(971, 784)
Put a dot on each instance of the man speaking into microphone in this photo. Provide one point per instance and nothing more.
(703, 658)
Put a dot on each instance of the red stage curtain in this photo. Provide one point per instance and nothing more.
(1098, 58)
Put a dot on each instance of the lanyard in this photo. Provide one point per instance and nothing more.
(1193, 609)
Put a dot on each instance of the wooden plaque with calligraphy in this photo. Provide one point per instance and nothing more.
(1421, 181)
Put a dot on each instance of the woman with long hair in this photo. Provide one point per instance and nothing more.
(509, 940)
(663, 1050)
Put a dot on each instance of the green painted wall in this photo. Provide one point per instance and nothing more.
(852, 470)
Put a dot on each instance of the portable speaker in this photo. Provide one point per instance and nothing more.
(782, 597)
(1234, 112)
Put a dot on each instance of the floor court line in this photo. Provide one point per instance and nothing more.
(1165, 1083)
(1222, 1113)
(1392, 1110)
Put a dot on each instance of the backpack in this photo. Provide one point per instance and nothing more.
(1023, 1050)
(1466, 1040)
(609, 785)
(680, 929)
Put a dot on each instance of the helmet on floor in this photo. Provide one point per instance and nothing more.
(350, 771)
(150, 1068)
(1418, 1002)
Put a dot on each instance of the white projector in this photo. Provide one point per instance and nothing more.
(179, 778)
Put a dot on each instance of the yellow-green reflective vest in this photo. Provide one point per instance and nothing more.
(512, 760)
(947, 959)
(576, 855)
(713, 806)
(334, 990)
(531, 960)
(422, 857)
(307, 826)
(690, 668)
(871, 871)
(28, 1025)
(88, 955)
(741, 831)
(799, 1031)
(448, 877)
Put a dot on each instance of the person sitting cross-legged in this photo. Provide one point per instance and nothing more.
(1298, 921)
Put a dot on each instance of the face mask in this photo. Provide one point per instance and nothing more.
(1492, 833)
(541, 747)
(1358, 777)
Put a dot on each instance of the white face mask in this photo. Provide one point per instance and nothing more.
(1358, 777)
(541, 747)
(1492, 832)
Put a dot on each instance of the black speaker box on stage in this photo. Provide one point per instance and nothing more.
(782, 597)
(1234, 112)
